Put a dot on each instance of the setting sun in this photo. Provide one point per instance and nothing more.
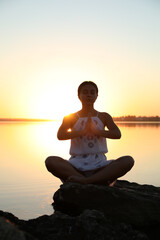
(54, 102)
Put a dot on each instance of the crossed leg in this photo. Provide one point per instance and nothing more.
(61, 168)
(64, 170)
(109, 173)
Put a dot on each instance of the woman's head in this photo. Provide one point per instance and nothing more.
(87, 83)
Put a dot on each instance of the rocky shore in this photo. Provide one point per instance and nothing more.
(126, 211)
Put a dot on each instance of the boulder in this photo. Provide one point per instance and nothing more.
(129, 203)
(91, 212)
(89, 225)
(8, 231)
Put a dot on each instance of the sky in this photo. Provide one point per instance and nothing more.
(48, 47)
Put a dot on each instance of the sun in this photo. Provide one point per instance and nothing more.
(55, 103)
(53, 92)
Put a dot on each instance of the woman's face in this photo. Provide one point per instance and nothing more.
(88, 94)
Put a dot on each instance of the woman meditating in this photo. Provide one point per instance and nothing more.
(86, 129)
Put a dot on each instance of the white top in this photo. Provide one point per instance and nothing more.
(88, 144)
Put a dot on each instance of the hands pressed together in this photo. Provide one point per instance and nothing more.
(89, 129)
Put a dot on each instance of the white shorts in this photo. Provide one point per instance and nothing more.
(87, 162)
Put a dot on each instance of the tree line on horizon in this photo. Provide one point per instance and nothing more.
(137, 118)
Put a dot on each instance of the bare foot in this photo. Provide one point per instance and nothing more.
(111, 184)
(77, 179)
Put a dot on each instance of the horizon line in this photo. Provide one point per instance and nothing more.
(126, 117)
(27, 119)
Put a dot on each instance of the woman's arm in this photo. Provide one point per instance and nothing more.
(113, 131)
(66, 130)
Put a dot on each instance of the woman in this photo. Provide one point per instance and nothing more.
(86, 129)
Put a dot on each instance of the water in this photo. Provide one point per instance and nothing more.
(26, 188)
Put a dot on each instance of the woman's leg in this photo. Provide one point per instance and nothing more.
(109, 173)
(61, 168)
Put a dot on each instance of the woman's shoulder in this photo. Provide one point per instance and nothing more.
(104, 117)
(71, 118)
(71, 115)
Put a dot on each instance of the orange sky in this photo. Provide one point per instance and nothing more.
(49, 48)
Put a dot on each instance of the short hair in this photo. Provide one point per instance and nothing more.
(87, 83)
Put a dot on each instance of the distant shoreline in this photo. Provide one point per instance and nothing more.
(131, 118)
(117, 119)
(24, 120)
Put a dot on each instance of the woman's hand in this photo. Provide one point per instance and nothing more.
(90, 128)
(87, 128)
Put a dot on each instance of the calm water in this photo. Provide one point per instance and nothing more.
(26, 188)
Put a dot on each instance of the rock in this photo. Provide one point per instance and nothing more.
(93, 225)
(8, 231)
(130, 203)
(127, 211)
(90, 225)
(10, 217)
